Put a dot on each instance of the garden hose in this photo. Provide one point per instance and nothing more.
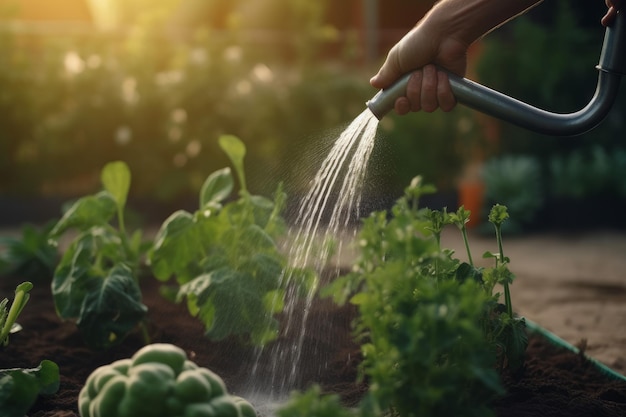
(557, 341)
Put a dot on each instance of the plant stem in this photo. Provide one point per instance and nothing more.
(507, 291)
(466, 242)
(120, 220)
(14, 311)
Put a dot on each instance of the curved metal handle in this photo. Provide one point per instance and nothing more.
(611, 67)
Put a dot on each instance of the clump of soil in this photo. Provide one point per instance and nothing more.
(554, 383)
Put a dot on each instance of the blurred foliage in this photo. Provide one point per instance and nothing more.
(547, 58)
(516, 182)
(157, 93)
(31, 256)
(588, 173)
(177, 74)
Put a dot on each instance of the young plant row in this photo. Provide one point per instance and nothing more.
(223, 259)
(435, 332)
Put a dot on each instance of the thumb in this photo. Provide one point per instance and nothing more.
(387, 74)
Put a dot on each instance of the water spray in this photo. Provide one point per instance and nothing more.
(611, 67)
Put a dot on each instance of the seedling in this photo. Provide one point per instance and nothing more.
(96, 281)
(8, 318)
(224, 256)
(508, 332)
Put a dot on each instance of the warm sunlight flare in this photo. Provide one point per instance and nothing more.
(68, 10)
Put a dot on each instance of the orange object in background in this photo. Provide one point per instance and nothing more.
(471, 196)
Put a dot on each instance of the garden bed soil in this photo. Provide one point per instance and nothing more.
(554, 383)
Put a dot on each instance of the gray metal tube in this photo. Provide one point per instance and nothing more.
(611, 67)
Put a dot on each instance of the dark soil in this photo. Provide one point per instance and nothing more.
(554, 383)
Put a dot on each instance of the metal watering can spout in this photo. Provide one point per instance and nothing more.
(611, 67)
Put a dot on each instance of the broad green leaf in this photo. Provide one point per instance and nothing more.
(48, 375)
(176, 245)
(230, 302)
(80, 264)
(216, 259)
(69, 284)
(18, 392)
(239, 306)
(265, 268)
(263, 209)
(466, 271)
(111, 308)
(199, 290)
(192, 290)
(255, 239)
(115, 178)
(19, 388)
(217, 187)
(93, 210)
(236, 151)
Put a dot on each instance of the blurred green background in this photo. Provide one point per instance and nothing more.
(154, 83)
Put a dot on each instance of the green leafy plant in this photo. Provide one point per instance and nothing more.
(159, 380)
(225, 257)
(31, 256)
(19, 388)
(96, 281)
(505, 330)
(8, 318)
(431, 326)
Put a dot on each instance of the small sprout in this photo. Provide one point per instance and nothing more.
(7, 319)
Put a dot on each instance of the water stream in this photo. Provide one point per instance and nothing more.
(335, 191)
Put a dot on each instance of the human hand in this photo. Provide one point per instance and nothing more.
(428, 88)
(613, 7)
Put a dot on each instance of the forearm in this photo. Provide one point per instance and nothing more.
(469, 20)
